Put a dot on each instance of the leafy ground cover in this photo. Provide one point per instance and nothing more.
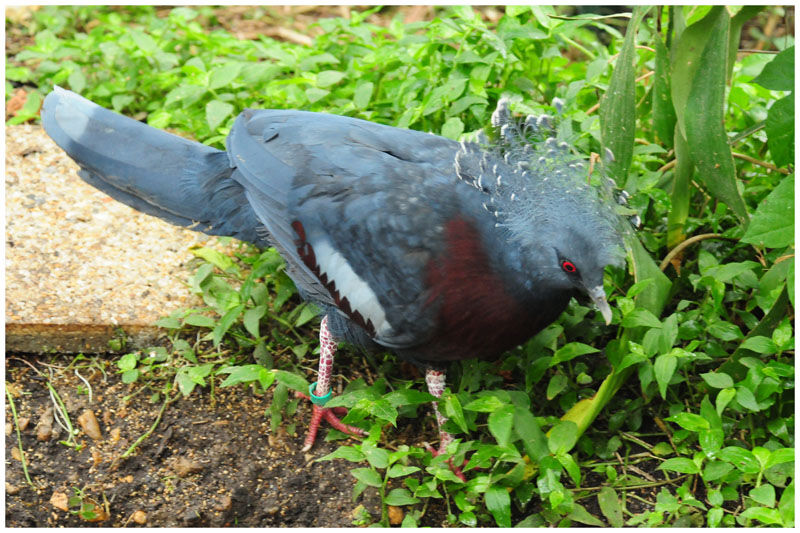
(695, 377)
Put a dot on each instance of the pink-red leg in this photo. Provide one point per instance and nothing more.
(327, 349)
(435, 379)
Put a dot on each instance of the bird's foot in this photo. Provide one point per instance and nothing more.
(446, 438)
(329, 414)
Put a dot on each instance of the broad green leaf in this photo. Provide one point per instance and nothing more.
(309, 312)
(252, 318)
(689, 421)
(724, 398)
(363, 95)
(293, 381)
(143, 41)
(557, 384)
(772, 224)
(765, 494)
(246, 374)
(681, 190)
(683, 465)
(718, 380)
(571, 467)
(367, 476)
(376, 457)
(654, 297)
(383, 409)
(641, 317)
(580, 514)
(778, 74)
(786, 505)
(400, 470)
(454, 412)
(223, 75)
(562, 437)
(200, 321)
(779, 456)
(609, 505)
(760, 344)
(704, 119)
(714, 470)
(225, 322)
(485, 404)
(663, 111)
(742, 459)
(349, 453)
(216, 112)
(500, 423)
(618, 106)
(762, 514)
(737, 21)
(327, 78)
(711, 440)
(453, 128)
(663, 368)
(528, 430)
(399, 497)
(570, 351)
(498, 502)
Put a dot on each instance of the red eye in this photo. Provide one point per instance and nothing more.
(569, 267)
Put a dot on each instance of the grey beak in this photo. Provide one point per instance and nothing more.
(598, 296)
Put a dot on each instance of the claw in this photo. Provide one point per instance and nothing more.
(328, 414)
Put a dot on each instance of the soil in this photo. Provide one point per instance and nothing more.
(211, 461)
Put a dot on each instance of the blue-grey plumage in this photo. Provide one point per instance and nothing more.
(436, 249)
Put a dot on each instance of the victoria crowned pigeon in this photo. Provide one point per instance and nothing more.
(410, 242)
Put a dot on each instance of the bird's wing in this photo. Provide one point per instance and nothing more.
(358, 207)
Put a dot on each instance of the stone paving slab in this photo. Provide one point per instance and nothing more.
(78, 264)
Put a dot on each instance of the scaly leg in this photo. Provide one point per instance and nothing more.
(321, 392)
(435, 379)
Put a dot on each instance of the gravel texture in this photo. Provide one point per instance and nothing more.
(79, 264)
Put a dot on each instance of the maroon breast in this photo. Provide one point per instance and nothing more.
(478, 315)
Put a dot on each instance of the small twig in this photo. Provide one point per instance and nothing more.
(88, 386)
(19, 438)
(761, 163)
(679, 248)
(153, 427)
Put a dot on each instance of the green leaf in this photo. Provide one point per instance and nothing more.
(562, 437)
(309, 312)
(780, 131)
(77, 81)
(500, 423)
(453, 128)
(399, 497)
(216, 258)
(570, 351)
(251, 319)
(715, 470)
(663, 369)
(367, 476)
(382, 409)
(759, 344)
(293, 381)
(528, 430)
(400, 470)
(618, 106)
(326, 78)
(128, 362)
(711, 440)
(246, 374)
(349, 453)
(498, 502)
(223, 75)
(454, 412)
(580, 514)
(200, 321)
(225, 323)
(742, 459)
(704, 118)
(690, 421)
(765, 494)
(772, 224)
(143, 41)
(216, 112)
(762, 514)
(786, 505)
(663, 111)
(779, 456)
(641, 317)
(376, 457)
(363, 95)
(680, 464)
(718, 380)
(610, 506)
(485, 404)
(557, 384)
(778, 74)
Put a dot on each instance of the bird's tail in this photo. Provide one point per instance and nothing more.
(181, 181)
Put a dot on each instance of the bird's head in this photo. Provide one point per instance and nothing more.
(563, 221)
